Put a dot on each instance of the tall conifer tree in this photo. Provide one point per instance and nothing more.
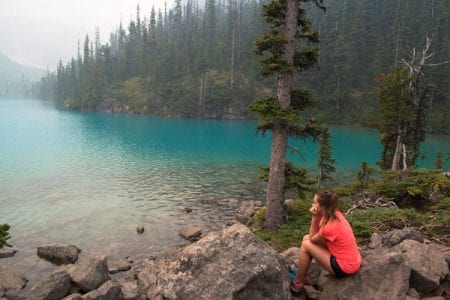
(282, 114)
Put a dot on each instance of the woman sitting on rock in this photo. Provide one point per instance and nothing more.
(330, 241)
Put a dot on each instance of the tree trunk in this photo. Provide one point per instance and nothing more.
(232, 57)
(398, 151)
(405, 165)
(274, 215)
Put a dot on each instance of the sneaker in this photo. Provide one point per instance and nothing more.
(296, 287)
(292, 272)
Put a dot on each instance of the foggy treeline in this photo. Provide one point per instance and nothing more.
(198, 61)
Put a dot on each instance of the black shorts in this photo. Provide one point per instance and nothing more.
(336, 269)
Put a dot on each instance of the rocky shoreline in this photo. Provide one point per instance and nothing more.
(234, 264)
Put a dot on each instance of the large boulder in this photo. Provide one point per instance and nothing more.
(11, 280)
(53, 287)
(59, 254)
(428, 266)
(383, 276)
(89, 274)
(230, 264)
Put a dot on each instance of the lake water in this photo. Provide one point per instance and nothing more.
(90, 179)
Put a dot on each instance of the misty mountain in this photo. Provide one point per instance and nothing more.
(39, 42)
(16, 78)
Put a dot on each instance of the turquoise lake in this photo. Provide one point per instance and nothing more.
(90, 178)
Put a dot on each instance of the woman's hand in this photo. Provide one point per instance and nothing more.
(315, 211)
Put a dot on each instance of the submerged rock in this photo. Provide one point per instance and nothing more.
(7, 252)
(191, 232)
(59, 253)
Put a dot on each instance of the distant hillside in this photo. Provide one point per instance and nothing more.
(16, 79)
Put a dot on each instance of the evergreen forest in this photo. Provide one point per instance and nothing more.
(195, 60)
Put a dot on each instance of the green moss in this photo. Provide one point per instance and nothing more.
(289, 234)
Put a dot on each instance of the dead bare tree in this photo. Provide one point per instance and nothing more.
(415, 66)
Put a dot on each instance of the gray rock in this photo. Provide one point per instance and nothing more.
(291, 255)
(191, 232)
(130, 290)
(7, 252)
(11, 280)
(231, 222)
(76, 296)
(383, 276)
(376, 242)
(311, 292)
(443, 250)
(428, 266)
(413, 293)
(230, 264)
(59, 253)
(54, 287)
(146, 280)
(244, 220)
(121, 266)
(89, 274)
(395, 237)
(247, 209)
(110, 290)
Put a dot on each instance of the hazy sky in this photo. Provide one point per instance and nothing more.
(40, 32)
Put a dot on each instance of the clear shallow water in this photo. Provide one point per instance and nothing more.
(90, 179)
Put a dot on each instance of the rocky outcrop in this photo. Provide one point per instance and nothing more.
(59, 254)
(54, 287)
(428, 268)
(230, 264)
(90, 273)
(381, 277)
(235, 264)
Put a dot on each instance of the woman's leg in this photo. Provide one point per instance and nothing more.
(308, 251)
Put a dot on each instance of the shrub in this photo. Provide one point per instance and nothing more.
(379, 219)
(4, 235)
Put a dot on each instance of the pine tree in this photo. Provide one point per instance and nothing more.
(363, 174)
(326, 161)
(396, 115)
(438, 162)
(282, 115)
